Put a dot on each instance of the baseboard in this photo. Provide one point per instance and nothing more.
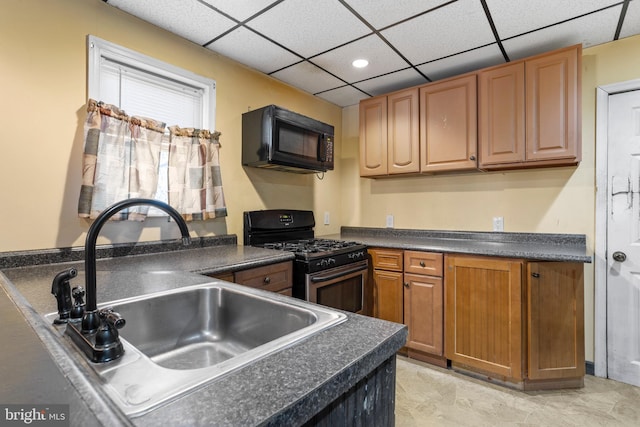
(589, 368)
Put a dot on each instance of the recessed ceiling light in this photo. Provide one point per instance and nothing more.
(360, 63)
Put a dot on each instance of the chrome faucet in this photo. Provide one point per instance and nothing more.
(98, 337)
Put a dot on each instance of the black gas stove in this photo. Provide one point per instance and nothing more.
(292, 231)
(321, 266)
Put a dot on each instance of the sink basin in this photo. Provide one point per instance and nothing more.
(178, 340)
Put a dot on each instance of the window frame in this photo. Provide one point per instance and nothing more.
(154, 70)
(98, 48)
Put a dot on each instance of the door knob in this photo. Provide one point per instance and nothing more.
(619, 256)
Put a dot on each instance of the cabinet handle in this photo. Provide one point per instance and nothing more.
(267, 280)
(472, 157)
(406, 284)
(422, 264)
(536, 275)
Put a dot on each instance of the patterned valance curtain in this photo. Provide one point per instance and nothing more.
(120, 161)
(195, 183)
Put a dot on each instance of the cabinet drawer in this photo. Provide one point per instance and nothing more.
(386, 259)
(274, 277)
(428, 263)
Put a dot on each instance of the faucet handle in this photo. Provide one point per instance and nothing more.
(110, 322)
(78, 302)
(113, 318)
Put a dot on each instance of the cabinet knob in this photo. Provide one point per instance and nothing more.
(422, 264)
(472, 157)
(406, 284)
(536, 275)
(267, 280)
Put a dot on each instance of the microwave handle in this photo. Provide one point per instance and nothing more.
(324, 147)
(338, 274)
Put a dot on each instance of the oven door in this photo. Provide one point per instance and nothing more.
(340, 287)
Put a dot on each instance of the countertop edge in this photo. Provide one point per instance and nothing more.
(530, 246)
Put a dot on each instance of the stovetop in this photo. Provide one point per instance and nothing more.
(314, 248)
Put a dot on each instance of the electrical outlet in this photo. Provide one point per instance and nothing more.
(389, 221)
(498, 223)
(326, 218)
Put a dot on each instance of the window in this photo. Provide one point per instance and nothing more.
(144, 86)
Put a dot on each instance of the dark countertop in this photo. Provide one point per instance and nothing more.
(287, 387)
(530, 246)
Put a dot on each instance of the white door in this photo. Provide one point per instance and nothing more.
(623, 238)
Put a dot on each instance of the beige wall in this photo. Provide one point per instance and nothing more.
(43, 75)
(43, 79)
(558, 200)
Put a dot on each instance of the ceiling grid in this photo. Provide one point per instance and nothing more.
(310, 44)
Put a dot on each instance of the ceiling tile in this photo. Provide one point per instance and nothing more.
(589, 30)
(191, 20)
(463, 62)
(381, 13)
(248, 48)
(309, 27)
(513, 17)
(240, 9)
(391, 82)
(343, 96)
(451, 29)
(308, 77)
(382, 59)
(631, 25)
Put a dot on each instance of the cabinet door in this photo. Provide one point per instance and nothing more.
(373, 136)
(555, 320)
(483, 314)
(388, 295)
(553, 105)
(423, 313)
(448, 125)
(403, 132)
(501, 116)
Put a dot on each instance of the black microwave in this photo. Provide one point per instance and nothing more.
(276, 138)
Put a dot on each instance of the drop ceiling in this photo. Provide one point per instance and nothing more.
(310, 44)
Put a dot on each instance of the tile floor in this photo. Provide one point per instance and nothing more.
(432, 396)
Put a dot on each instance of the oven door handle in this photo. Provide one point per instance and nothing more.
(338, 274)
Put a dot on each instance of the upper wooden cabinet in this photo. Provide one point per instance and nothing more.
(523, 114)
(448, 125)
(529, 112)
(373, 136)
(389, 129)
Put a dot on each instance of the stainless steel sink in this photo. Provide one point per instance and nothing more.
(178, 340)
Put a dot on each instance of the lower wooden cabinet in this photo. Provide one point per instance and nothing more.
(408, 289)
(423, 313)
(555, 328)
(517, 322)
(483, 315)
(387, 284)
(273, 277)
(388, 295)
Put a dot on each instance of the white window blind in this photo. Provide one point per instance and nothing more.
(142, 94)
